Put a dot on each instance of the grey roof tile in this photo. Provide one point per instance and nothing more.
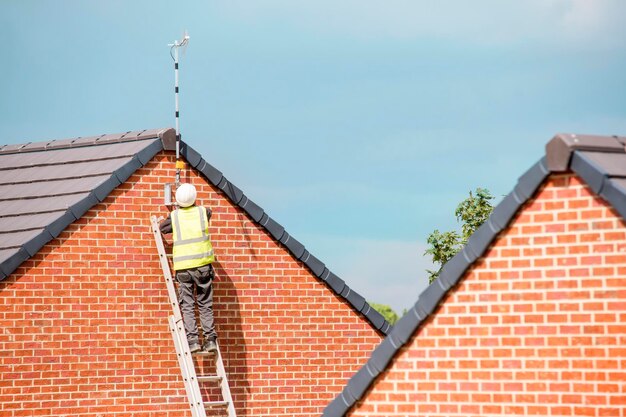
(192, 157)
(34, 146)
(27, 222)
(146, 153)
(336, 283)
(251, 208)
(77, 154)
(295, 247)
(90, 140)
(60, 223)
(50, 188)
(37, 242)
(6, 253)
(480, 240)
(504, 212)
(613, 164)
(17, 238)
(354, 298)
(275, 229)
(231, 191)
(559, 150)
(14, 148)
(211, 173)
(80, 206)
(38, 205)
(62, 171)
(614, 191)
(454, 269)
(590, 171)
(104, 188)
(531, 179)
(125, 171)
(11, 259)
(63, 143)
(315, 265)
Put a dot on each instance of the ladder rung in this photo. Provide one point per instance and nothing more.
(214, 404)
(209, 378)
(203, 353)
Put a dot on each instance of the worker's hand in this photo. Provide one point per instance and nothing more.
(160, 219)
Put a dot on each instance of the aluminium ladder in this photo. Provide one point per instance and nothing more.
(185, 360)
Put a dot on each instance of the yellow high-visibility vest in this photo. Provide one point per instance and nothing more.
(190, 230)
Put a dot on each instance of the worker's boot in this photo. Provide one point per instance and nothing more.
(209, 346)
(194, 347)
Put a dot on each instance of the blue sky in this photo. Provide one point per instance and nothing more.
(358, 125)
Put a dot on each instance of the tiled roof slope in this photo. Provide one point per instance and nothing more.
(46, 186)
(599, 160)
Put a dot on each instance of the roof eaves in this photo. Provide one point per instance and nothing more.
(278, 232)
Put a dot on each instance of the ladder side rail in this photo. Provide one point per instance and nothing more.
(188, 372)
(181, 344)
(221, 371)
(165, 266)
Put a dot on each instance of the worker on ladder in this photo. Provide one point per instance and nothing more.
(192, 258)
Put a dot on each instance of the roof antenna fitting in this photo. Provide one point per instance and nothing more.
(174, 47)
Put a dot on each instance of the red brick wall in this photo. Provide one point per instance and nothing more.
(83, 324)
(537, 327)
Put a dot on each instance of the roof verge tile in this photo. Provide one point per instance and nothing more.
(251, 208)
(614, 191)
(35, 244)
(211, 173)
(193, 158)
(593, 174)
(14, 261)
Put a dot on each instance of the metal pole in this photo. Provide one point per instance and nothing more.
(175, 46)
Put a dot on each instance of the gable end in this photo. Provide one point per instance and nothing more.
(599, 160)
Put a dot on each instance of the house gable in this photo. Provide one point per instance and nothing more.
(86, 317)
(599, 161)
(124, 153)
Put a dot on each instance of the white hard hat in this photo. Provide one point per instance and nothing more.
(186, 195)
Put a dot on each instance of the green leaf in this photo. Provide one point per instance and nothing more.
(472, 213)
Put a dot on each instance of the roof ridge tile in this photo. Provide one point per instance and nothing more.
(163, 133)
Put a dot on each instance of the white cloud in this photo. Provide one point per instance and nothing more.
(389, 272)
(559, 22)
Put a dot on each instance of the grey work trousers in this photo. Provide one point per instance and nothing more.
(200, 279)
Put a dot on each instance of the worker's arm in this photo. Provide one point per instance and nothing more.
(208, 213)
(166, 225)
